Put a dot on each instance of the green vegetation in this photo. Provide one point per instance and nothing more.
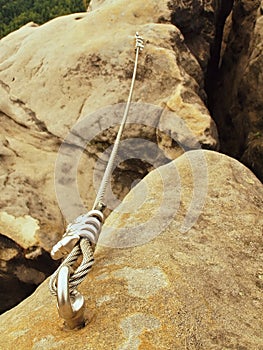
(16, 13)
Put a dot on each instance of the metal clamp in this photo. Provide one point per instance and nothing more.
(70, 307)
(86, 225)
(64, 246)
(139, 42)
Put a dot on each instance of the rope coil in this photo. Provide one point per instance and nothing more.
(83, 248)
(85, 229)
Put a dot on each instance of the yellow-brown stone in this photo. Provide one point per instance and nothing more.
(198, 289)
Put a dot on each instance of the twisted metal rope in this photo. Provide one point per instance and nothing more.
(83, 248)
(78, 238)
(86, 228)
(106, 177)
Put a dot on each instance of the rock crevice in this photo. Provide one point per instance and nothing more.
(234, 85)
(22, 270)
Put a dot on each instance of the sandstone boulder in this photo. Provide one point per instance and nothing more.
(59, 73)
(195, 288)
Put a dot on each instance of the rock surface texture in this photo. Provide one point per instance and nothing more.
(199, 289)
(237, 103)
(76, 71)
(60, 73)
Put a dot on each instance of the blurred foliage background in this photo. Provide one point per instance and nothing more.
(16, 13)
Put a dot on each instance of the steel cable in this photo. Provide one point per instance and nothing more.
(84, 231)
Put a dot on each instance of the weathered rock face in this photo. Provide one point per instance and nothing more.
(22, 269)
(30, 219)
(195, 19)
(237, 96)
(200, 289)
(57, 75)
(199, 22)
(61, 72)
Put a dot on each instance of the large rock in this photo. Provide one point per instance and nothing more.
(52, 76)
(238, 104)
(197, 21)
(199, 288)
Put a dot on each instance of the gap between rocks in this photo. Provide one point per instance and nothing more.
(230, 41)
(22, 270)
(230, 84)
(203, 27)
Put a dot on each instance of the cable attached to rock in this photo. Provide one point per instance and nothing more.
(82, 235)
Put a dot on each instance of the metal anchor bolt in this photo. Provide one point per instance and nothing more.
(70, 307)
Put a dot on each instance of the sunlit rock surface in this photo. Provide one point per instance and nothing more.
(199, 288)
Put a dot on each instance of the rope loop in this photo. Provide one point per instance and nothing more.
(84, 249)
(79, 237)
